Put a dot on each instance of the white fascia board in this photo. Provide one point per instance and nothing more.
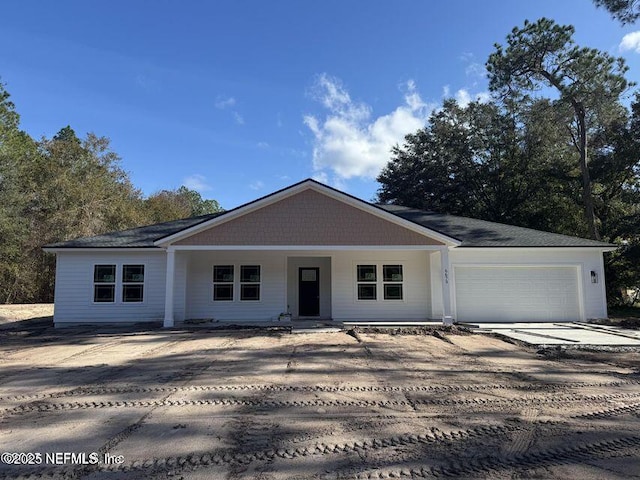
(308, 185)
(304, 247)
(103, 249)
(537, 249)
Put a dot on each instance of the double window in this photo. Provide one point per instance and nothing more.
(224, 282)
(105, 283)
(368, 281)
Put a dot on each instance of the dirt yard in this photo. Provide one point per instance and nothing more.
(248, 404)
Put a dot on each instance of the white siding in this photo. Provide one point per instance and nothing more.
(416, 304)
(74, 288)
(591, 295)
(344, 304)
(273, 289)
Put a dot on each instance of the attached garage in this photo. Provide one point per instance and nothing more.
(362, 261)
(517, 293)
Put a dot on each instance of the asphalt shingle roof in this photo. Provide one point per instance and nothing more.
(141, 237)
(480, 233)
(471, 232)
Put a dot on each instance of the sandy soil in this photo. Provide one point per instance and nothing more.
(256, 405)
(27, 312)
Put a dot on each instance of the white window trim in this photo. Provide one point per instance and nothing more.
(117, 298)
(214, 283)
(237, 283)
(240, 283)
(114, 283)
(379, 280)
(123, 283)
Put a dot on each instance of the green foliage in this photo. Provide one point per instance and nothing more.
(62, 188)
(515, 163)
(625, 11)
(483, 161)
(543, 55)
(181, 203)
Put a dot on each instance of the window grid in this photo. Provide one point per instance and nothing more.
(369, 282)
(104, 283)
(392, 278)
(367, 278)
(250, 279)
(132, 283)
(223, 279)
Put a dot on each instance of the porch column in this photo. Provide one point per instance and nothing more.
(445, 270)
(168, 291)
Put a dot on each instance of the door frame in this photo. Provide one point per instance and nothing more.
(317, 282)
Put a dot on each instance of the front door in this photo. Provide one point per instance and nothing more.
(309, 291)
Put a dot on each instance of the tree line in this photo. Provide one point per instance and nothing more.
(557, 148)
(64, 187)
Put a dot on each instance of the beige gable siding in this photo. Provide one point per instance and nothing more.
(308, 218)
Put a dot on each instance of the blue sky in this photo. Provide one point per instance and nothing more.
(240, 98)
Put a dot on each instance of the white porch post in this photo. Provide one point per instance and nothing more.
(445, 270)
(168, 292)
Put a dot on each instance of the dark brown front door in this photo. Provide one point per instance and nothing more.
(309, 292)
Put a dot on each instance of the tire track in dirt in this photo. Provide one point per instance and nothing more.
(492, 464)
(224, 457)
(270, 403)
(454, 468)
(82, 391)
(133, 427)
(485, 464)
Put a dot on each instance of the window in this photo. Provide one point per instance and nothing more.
(392, 282)
(250, 282)
(132, 283)
(104, 283)
(223, 283)
(367, 282)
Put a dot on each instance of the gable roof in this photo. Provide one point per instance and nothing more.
(305, 186)
(481, 233)
(454, 230)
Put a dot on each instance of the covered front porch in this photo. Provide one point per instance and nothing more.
(269, 285)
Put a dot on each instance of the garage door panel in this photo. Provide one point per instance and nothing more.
(505, 294)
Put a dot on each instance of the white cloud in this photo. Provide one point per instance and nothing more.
(223, 102)
(463, 97)
(238, 118)
(475, 70)
(631, 41)
(196, 182)
(349, 141)
(263, 145)
(257, 185)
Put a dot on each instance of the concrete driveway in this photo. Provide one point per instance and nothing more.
(570, 333)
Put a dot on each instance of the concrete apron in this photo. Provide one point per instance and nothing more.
(570, 333)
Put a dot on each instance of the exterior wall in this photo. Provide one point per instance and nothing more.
(416, 304)
(324, 263)
(199, 297)
(592, 295)
(277, 268)
(308, 218)
(74, 288)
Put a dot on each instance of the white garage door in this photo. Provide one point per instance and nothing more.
(516, 294)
